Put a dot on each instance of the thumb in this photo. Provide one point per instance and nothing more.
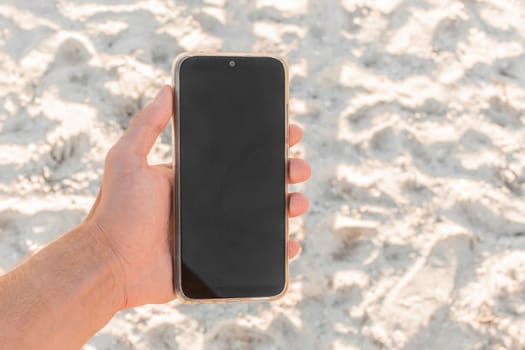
(148, 123)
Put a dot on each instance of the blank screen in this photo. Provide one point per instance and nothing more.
(232, 127)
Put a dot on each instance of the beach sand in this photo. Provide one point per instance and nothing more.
(413, 117)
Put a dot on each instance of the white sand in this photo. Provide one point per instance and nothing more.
(413, 113)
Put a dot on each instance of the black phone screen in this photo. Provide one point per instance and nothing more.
(232, 175)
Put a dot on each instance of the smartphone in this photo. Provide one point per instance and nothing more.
(230, 134)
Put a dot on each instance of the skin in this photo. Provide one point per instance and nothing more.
(119, 256)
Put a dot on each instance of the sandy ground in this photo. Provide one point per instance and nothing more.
(413, 117)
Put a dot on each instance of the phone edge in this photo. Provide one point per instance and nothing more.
(177, 62)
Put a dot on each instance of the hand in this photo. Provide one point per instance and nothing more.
(131, 215)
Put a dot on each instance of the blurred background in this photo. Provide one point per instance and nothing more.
(413, 117)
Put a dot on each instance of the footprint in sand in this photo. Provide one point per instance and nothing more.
(228, 336)
(72, 51)
(503, 114)
(449, 32)
(428, 285)
(65, 149)
(352, 235)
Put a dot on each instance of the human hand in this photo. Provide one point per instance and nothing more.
(132, 213)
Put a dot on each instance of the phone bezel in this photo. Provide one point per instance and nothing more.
(176, 248)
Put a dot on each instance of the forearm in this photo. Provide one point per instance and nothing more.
(61, 296)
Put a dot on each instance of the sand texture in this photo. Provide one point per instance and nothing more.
(413, 117)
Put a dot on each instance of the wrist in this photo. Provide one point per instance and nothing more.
(107, 262)
(75, 278)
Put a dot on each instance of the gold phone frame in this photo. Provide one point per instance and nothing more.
(177, 62)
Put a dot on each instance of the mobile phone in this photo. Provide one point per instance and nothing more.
(230, 134)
